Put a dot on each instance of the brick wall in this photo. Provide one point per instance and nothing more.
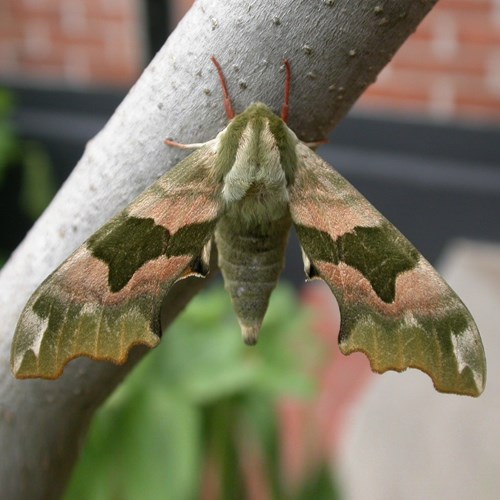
(74, 41)
(450, 67)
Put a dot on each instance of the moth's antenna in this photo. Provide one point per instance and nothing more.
(228, 105)
(288, 80)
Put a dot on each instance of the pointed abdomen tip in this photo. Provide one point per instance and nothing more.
(250, 334)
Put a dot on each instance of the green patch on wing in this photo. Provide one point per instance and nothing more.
(379, 253)
(446, 347)
(127, 243)
(189, 239)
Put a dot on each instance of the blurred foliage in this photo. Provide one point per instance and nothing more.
(203, 405)
(38, 186)
(8, 141)
(28, 159)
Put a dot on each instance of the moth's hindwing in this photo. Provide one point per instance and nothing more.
(394, 306)
(105, 298)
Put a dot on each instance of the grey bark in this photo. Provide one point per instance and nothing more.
(336, 49)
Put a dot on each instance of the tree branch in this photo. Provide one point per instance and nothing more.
(336, 49)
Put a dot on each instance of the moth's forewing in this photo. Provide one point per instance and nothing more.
(105, 298)
(394, 306)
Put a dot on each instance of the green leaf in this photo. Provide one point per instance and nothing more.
(39, 184)
(202, 393)
(321, 486)
(9, 145)
(140, 447)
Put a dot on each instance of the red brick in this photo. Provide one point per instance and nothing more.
(40, 70)
(116, 74)
(53, 58)
(118, 10)
(420, 55)
(478, 29)
(12, 31)
(474, 92)
(397, 93)
(464, 5)
(474, 26)
(98, 6)
(478, 100)
(412, 84)
(90, 40)
(424, 31)
(21, 10)
(49, 20)
(382, 103)
(480, 112)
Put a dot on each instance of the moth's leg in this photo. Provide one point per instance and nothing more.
(315, 144)
(288, 80)
(179, 145)
(228, 105)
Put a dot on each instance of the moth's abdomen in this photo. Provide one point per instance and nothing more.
(251, 258)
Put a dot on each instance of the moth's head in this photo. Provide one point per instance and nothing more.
(256, 113)
(256, 144)
(257, 123)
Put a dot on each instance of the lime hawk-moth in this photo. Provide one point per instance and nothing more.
(242, 191)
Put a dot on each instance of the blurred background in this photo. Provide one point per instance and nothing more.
(422, 145)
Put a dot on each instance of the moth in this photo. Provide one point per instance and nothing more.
(242, 192)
